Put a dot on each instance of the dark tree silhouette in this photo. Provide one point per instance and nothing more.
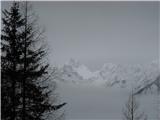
(24, 68)
(131, 110)
(10, 42)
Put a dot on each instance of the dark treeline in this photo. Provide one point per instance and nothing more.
(23, 67)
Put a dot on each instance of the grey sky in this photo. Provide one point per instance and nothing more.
(98, 32)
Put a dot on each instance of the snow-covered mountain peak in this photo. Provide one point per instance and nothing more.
(138, 75)
(109, 66)
(73, 63)
(74, 67)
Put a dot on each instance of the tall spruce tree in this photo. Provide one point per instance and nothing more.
(23, 68)
(11, 52)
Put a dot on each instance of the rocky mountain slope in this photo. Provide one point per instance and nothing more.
(112, 75)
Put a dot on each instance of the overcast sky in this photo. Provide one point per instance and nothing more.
(98, 32)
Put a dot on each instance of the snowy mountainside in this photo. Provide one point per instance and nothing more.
(74, 72)
(110, 75)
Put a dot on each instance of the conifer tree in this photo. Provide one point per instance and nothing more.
(10, 44)
(24, 69)
(131, 110)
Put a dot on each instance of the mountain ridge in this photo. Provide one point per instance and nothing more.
(110, 74)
